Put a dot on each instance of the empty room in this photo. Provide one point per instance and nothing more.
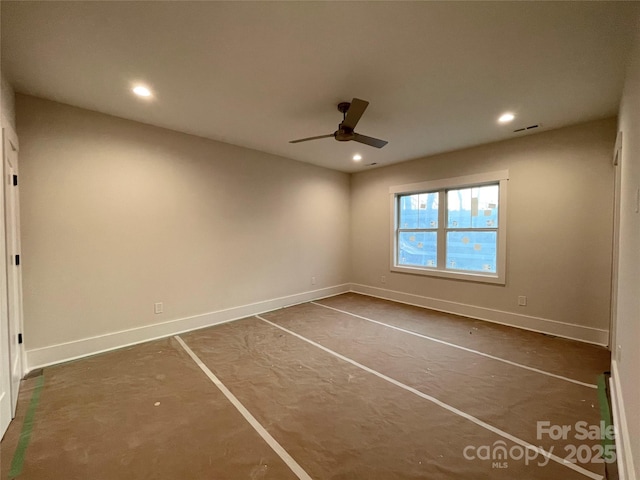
(320, 240)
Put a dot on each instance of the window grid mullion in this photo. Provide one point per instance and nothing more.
(470, 229)
(442, 226)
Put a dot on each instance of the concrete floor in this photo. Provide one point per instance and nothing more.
(343, 397)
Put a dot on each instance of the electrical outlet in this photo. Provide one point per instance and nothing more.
(383, 279)
(313, 280)
(522, 301)
(158, 307)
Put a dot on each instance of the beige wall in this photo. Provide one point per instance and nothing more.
(627, 355)
(117, 215)
(559, 224)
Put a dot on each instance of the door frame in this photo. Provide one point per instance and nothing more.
(615, 251)
(6, 413)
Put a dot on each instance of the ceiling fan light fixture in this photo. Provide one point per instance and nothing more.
(506, 117)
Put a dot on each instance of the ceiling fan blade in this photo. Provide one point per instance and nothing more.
(311, 138)
(354, 113)
(374, 142)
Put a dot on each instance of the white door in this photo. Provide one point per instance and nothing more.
(14, 276)
(6, 351)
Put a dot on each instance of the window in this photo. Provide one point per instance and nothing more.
(452, 228)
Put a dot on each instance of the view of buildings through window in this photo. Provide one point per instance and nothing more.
(469, 233)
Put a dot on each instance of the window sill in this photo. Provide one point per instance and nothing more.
(465, 276)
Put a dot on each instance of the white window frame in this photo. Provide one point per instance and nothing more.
(499, 177)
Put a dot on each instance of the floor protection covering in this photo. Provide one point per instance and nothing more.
(321, 383)
(146, 412)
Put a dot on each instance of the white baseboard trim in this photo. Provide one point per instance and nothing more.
(626, 470)
(63, 352)
(536, 324)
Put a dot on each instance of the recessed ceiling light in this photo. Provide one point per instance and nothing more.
(506, 117)
(141, 91)
(357, 157)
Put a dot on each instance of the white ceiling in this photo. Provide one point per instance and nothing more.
(437, 74)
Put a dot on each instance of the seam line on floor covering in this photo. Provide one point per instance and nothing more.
(477, 352)
(25, 435)
(266, 436)
(442, 404)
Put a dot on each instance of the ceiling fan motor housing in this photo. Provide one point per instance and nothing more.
(343, 134)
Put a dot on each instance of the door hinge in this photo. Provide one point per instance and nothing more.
(15, 180)
(19, 338)
(17, 260)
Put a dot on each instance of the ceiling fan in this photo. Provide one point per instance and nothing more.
(351, 113)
